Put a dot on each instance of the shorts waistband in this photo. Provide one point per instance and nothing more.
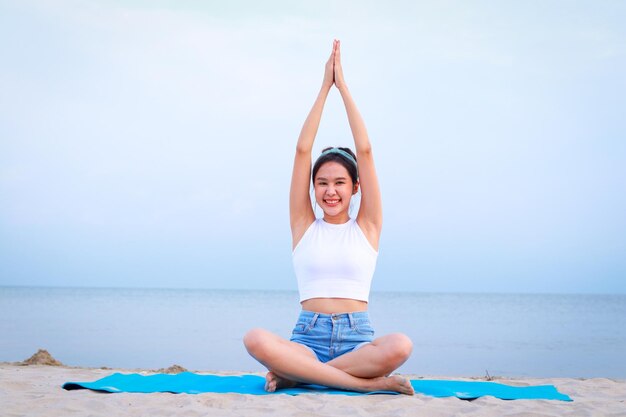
(350, 318)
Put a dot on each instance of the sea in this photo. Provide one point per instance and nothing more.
(513, 335)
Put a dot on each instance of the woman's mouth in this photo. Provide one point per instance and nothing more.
(332, 202)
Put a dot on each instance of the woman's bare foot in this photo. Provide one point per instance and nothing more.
(273, 382)
(394, 383)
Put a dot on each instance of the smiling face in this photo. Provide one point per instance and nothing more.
(333, 190)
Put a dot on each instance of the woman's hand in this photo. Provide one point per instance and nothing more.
(333, 72)
(340, 83)
(329, 70)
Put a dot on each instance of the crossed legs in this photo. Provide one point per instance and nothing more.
(364, 370)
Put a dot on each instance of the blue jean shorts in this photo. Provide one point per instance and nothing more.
(332, 335)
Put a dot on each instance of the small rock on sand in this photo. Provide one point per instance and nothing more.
(174, 369)
(42, 357)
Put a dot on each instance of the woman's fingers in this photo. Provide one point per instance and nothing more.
(329, 70)
(338, 76)
(333, 74)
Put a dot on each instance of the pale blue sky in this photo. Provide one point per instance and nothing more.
(149, 144)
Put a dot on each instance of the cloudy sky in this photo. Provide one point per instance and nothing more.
(150, 143)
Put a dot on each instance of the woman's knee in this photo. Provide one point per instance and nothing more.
(255, 340)
(400, 347)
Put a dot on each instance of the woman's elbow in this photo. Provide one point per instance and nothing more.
(364, 150)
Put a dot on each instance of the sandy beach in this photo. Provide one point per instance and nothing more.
(35, 390)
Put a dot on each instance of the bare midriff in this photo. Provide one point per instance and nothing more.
(333, 305)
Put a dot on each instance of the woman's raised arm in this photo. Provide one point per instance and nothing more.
(370, 217)
(301, 213)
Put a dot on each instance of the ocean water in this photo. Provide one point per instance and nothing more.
(453, 334)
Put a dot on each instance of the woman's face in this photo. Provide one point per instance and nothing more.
(333, 190)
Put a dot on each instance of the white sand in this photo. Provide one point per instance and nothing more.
(36, 391)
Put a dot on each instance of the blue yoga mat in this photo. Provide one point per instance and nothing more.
(191, 383)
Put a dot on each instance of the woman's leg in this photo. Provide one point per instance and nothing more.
(294, 362)
(379, 358)
(257, 340)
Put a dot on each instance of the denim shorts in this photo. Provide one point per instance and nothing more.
(332, 335)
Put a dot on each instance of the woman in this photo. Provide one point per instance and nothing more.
(334, 258)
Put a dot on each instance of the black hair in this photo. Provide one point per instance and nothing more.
(339, 158)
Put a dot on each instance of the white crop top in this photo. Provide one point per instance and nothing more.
(334, 261)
